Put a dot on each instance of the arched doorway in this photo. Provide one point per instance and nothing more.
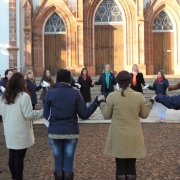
(109, 36)
(163, 43)
(55, 44)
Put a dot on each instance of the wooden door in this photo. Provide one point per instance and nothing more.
(109, 47)
(163, 52)
(55, 52)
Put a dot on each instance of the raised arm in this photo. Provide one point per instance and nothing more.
(171, 102)
(174, 87)
(82, 109)
(27, 110)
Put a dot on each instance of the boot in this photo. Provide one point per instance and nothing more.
(68, 176)
(131, 177)
(120, 177)
(58, 176)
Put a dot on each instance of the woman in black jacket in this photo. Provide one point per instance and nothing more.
(47, 78)
(107, 81)
(31, 86)
(137, 79)
(85, 81)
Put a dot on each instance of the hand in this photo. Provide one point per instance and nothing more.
(101, 97)
(153, 98)
(167, 89)
(94, 81)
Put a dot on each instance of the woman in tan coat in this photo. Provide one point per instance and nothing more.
(17, 114)
(125, 139)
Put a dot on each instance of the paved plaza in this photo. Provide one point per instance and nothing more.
(161, 140)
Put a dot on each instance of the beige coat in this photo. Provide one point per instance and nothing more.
(17, 122)
(125, 137)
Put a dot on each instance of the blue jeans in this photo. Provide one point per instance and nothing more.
(63, 150)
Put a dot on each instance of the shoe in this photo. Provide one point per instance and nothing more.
(131, 177)
(158, 120)
(58, 176)
(120, 177)
(68, 176)
(1, 170)
(162, 120)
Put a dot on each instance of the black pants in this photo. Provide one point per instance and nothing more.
(16, 163)
(125, 166)
(33, 105)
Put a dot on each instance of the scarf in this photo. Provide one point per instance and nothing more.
(84, 77)
(159, 80)
(107, 73)
(134, 82)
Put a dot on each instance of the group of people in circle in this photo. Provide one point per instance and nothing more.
(62, 105)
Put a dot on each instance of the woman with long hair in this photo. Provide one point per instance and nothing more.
(137, 79)
(17, 115)
(47, 78)
(32, 87)
(125, 140)
(86, 83)
(107, 81)
(160, 86)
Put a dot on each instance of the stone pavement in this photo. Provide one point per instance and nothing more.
(161, 163)
(172, 116)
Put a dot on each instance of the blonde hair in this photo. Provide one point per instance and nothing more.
(105, 67)
(136, 66)
(27, 73)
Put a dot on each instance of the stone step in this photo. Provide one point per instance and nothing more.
(95, 91)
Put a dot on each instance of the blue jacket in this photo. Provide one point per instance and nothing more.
(32, 88)
(160, 88)
(171, 102)
(4, 82)
(102, 82)
(61, 107)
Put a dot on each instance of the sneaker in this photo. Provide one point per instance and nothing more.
(158, 120)
(162, 120)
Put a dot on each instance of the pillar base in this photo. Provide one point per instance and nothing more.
(38, 71)
(91, 70)
(150, 69)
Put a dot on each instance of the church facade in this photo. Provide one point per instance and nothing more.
(72, 34)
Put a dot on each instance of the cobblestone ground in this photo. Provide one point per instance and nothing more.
(161, 163)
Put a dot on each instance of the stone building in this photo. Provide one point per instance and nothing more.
(54, 34)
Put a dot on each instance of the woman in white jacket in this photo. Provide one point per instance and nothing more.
(17, 115)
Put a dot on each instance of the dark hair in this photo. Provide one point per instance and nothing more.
(6, 72)
(123, 78)
(15, 86)
(45, 78)
(83, 70)
(162, 74)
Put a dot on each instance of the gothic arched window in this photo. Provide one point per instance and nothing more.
(162, 22)
(55, 25)
(108, 11)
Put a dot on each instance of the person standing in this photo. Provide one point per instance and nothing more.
(47, 78)
(86, 83)
(125, 140)
(31, 86)
(8, 73)
(160, 86)
(107, 81)
(137, 79)
(17, 114)
(61, 107)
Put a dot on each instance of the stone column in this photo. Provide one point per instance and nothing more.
(12, 35)
(140, 34)
(79, 38)
(27, 37)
